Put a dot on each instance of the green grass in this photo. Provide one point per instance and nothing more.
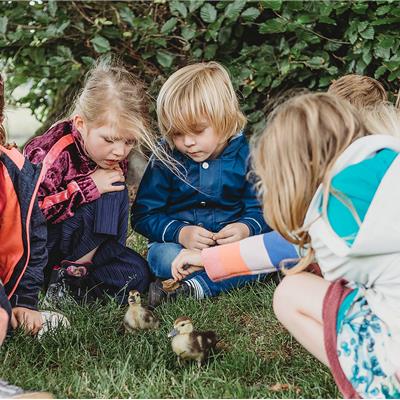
(96, 359)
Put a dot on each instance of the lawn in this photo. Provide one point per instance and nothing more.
(95, 358)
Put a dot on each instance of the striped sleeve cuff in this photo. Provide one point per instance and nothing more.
(251, 256)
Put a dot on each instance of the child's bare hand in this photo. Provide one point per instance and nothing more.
(104, 179)
(185, 263)
(195, 237)
(232, 233)
(30, 320)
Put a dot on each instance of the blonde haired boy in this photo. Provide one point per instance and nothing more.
(200, 120)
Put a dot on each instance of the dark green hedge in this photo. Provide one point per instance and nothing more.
(268, 46)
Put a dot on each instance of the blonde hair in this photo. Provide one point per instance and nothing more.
(295, 154)
(382, 119)
(202, 90)
(360, 91)
(112, 95)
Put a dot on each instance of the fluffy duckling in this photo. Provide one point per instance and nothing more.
(189, 344)
(137, 316)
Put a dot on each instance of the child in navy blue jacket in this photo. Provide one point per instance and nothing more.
(206, 199)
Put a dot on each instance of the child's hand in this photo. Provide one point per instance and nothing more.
(195, 237)
(232, 233)
(30, 320)
(185, 263)
(104, 179)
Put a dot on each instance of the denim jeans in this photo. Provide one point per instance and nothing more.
(161, 255)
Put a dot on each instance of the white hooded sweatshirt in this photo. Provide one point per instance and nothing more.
(372, 262)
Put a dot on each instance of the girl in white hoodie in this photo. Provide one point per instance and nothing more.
(340, 205)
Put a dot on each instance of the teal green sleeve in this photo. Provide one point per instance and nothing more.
(357, 184)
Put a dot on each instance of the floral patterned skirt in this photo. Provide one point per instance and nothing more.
(360, 348)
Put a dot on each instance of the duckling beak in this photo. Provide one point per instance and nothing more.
(173, 333)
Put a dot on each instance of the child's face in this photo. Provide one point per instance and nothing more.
(102, 147)
(201, 144)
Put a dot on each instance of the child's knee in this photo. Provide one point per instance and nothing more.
(284, 296)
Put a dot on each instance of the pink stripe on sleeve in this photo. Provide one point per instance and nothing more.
(222, 262)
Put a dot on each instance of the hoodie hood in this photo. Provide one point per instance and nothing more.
(379, 233)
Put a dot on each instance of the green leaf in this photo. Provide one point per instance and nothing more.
(276, 25)
(305, 19)
(178, 7)
(52, 7)
(164, 58)
(367, 57)
(394, 75)
(127, 15)
(360, 67)
(316, 61)
(65, 52)
(386, 42)
(368, 33)
(195, 4)
(380, 71)
(209, 51)
(234, 9)
(169, 25)
(385, 21)
(250, 14)
(101, 44)
(327, 20)
(381, 52)
(188, 33)
(272, 4)
(208, 13)
(332, 46)
(3, 25)
(360, 7)
(383, 10)
(88, 60)
(362, 26)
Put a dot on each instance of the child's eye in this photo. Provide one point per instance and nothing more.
(130, 142)
(109, 140)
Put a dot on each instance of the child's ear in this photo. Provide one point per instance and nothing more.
(80, 124)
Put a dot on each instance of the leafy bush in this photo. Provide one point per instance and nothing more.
(268, 46)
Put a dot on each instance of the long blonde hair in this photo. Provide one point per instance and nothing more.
(382, 119)
(113, 95)
(202, 90)
(294, 155)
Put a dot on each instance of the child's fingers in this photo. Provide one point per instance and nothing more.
(206, 241)
(205, 233)
(222, 234)
(229, 239)
(14, 322)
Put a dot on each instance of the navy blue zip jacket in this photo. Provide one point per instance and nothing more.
(25, 275)
(215, 193)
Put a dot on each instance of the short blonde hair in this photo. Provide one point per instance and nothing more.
(361, 91)
(294, 155)
(197, 91)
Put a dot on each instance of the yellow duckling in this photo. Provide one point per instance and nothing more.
(189, 344)
(137, 316)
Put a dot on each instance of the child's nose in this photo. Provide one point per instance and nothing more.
(119, 149)
(189, 140)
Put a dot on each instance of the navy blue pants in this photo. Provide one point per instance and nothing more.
(102, 224)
